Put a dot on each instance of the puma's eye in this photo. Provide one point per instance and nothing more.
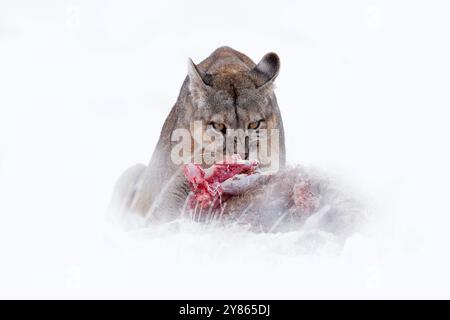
(218, 126)
(254, 125)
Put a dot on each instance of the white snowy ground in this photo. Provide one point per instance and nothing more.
(86, 85)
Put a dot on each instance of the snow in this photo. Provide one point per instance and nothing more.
(363, 90)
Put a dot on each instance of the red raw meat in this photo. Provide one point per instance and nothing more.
(210, 187)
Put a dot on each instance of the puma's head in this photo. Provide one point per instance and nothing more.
(230, 94)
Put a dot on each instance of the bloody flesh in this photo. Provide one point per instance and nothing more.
(210, 187)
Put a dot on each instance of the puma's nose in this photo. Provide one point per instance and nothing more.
(247, 148)
(242, 147)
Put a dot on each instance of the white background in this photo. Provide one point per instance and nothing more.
(86, 85)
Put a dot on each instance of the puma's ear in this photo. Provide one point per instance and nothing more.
(199, 84)
(197, 78)
(267, 69)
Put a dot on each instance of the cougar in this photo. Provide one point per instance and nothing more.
(225, 91)
(228, 92)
